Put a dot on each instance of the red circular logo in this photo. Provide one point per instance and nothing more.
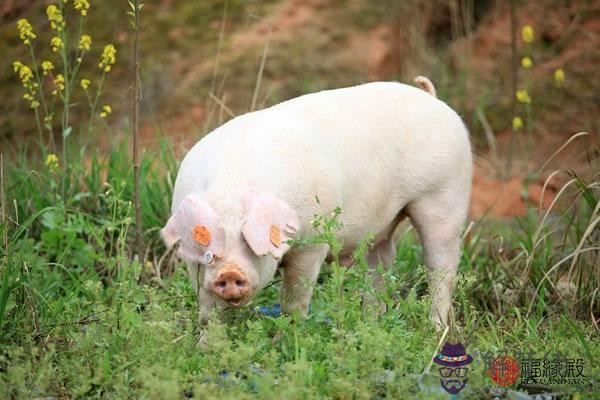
(504, 371)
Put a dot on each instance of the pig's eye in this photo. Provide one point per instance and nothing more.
(208, 257)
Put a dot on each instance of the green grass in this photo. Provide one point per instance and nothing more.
(79, 319)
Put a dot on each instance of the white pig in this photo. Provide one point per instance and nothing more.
(380, 151)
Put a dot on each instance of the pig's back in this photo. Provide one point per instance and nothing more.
(373, 146)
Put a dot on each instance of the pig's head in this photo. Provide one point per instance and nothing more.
(239, 247)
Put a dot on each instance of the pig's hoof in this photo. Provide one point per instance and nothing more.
(203, 339)
(277, 338)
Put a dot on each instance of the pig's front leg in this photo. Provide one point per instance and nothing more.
(206, 302)
(300, 272)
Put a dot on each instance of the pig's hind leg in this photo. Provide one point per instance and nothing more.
(439, 218)
(383, 253)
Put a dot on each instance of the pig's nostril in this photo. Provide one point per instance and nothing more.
(231, 286)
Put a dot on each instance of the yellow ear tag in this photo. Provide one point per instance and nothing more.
(275, 235)
(201, 235)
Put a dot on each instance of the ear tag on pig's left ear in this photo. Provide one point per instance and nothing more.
(208, 257)
(201, 235)
(275, 235)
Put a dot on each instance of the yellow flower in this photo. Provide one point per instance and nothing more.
(59, 81)
(17, 66)
(108, 58)
(523, 96)
(56, 43)
(559, 77)
(25, 30)
(82, 5)
(106, 109)
(52, 162)
(527, 33)
(25, 73)
(517, 123)
(85, 42)
(85, 83)
(55, 17)
(47, 66)
(526, 62)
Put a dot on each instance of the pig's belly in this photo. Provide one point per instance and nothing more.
(351, 238)
(380, 225)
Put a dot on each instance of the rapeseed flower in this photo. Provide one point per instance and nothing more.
(85, 42)
(528, 34)
(108, 58)
(82, 5)
(559, 77)
(106, 109)
(52, 162)
(59, 82)
(25, 73)
(25, 30)
(523, 97)
(517, 123)
(85, 83)
(55, 17)
(47, 66)
(56, 43)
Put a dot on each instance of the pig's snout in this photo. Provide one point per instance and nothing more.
(231, 285)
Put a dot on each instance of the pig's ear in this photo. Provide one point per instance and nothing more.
(270, 222)
(196, 226)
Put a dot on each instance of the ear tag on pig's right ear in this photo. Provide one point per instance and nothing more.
(208, 257)
(275, 235)
(201, 235)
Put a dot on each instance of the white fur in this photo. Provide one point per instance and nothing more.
(375, 150)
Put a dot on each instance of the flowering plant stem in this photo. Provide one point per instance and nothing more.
(42, 100)
(94, 103)
(136, 127)
(514, 68)
(65, 97)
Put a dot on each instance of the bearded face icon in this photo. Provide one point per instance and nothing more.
(453, 360)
